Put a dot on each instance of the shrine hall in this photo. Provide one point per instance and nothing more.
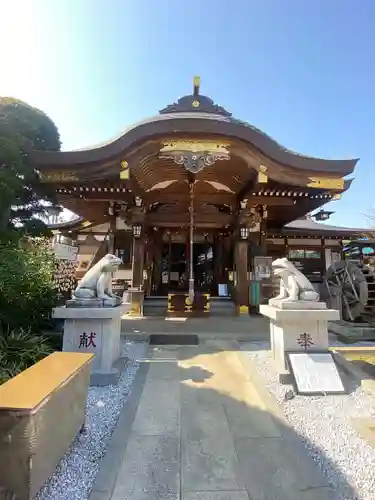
(197, 204)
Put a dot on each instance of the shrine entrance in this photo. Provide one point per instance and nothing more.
(171, 274)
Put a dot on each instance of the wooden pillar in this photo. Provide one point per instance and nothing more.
(148, 262)
(138, 261)
(137, 296)
(157, 264)
(263, 230)
(241, 286)
(218, 260)
(111, 235)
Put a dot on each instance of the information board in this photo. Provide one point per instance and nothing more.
(315, 373)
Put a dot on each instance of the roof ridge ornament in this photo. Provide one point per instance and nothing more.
(195, 103)
(196, 85)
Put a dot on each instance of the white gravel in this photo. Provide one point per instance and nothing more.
(76, 473)
(324, 427)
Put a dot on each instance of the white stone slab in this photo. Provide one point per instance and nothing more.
(299, 315)
(300, 304)
(89, 312)
(315, 373)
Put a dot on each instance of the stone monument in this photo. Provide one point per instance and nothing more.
(298, 320)
(93, 321)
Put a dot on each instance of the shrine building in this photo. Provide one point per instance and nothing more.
(198, 202)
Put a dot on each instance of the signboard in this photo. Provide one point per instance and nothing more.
(262, 267)
(65, 252)
(84, 262)
(315, 373)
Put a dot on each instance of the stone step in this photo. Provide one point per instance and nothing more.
(222, 306)
(155, 306)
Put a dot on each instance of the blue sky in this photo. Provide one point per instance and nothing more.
(303, 71)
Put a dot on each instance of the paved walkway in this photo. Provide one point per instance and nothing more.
(248, 328)
(206, 429)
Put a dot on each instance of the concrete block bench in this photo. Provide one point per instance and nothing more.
(41, 412)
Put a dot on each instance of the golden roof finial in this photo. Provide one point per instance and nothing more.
(196, 83)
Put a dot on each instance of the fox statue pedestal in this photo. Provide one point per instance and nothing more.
(93, 321)
(298, 322)
(294, 330)
(97, 331)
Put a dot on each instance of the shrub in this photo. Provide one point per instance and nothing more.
(27, 293)
(20, 349)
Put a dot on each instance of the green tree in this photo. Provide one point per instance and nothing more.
(22, 195)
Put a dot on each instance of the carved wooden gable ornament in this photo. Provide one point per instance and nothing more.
(194, 155)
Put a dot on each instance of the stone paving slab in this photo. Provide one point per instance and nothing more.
(204, 430)
(215, 495)
(151, 469)
(210, 463)
(248, 425)
(203, 420)
(159, 409)
(273, 471)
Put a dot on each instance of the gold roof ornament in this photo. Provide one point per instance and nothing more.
(58, 176)
(336, 197)
(196, 85)
(325, 183)
(262, 175)
(124, 173)
(195, 146)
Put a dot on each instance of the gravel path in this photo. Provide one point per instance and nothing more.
(323, 425)
(77, 470)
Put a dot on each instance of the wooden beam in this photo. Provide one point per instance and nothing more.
(251, 185)
(218, 220)
(117, 197)
(214, 198)
(281, 201)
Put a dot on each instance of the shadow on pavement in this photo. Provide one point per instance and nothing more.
(204, 430)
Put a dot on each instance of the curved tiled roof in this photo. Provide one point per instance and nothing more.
(182, 117)
(310, 225)
(67, 224)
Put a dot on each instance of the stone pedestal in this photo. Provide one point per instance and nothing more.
(96, 331)
(136, 299)
(297, 330)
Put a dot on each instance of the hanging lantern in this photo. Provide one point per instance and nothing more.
(244, 232)
(137, 230)
(111, 208)
(322, 215)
